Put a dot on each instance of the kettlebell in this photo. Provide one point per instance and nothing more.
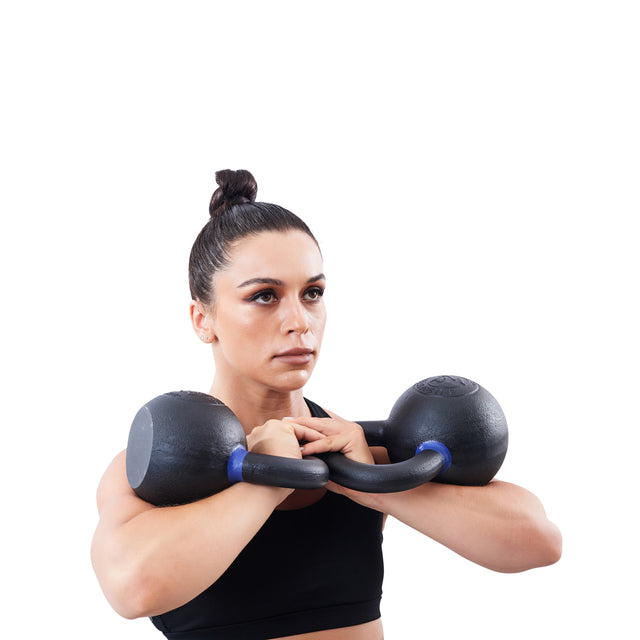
(185, 445)
(444, 428)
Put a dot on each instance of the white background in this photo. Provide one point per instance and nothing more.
(471, 172)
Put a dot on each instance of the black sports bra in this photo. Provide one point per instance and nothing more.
(309, 569)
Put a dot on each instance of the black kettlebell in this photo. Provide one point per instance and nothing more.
(184, 446)
(445, 428)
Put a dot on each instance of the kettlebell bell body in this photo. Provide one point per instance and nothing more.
(458, 413)
(184, 446)
(444, 428)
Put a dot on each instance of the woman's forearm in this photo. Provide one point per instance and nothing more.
(164, 557)
(500, 526)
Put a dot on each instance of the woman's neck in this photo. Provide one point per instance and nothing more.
(254, 404)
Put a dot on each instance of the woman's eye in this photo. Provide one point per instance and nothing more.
(314, 294)
(263, 297)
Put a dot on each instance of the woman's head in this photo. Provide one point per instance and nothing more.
(257, 285)
(234, 216)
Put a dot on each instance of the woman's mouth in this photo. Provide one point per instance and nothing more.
(295, 356)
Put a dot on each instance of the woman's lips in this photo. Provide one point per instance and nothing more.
(295, 356)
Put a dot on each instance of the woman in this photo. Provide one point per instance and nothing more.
(266, 562)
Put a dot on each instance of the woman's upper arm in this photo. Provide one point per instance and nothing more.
(117, 503)
(137, 546)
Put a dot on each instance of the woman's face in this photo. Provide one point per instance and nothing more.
(268, 314)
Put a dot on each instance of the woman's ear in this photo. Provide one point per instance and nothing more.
(201, 321)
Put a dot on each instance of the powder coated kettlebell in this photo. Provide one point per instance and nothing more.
(184, 446)
(446, 428)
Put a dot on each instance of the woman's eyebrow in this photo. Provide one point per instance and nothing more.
(275, 282)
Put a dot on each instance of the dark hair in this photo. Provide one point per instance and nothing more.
(234, 215)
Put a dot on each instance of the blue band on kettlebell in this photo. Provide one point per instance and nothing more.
(234, 466)
(434, 445)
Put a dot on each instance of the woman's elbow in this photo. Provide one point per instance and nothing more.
(549, 543)
(131, 595)
(539, 544)
(124, 584)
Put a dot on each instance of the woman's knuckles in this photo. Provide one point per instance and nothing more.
(276, 438)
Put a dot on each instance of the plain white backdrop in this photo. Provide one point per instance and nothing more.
(471, 172)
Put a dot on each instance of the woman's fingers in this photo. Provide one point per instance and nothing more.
(325, 426)
(279, 438)
(329, 443)
(305, 434)
(333, 434)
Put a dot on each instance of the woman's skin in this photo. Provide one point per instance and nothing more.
(265, 327)
(266, 304)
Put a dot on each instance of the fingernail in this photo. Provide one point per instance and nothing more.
(288, 418)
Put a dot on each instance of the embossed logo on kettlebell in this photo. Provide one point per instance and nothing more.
(446, 386)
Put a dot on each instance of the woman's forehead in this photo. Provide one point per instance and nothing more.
(277, 255)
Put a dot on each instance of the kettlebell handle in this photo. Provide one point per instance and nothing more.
(431, 458)
(384, 478)
(276, 471)
(444, 428)
(374, 431)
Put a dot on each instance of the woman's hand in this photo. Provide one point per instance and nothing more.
(336, 434)
(276, 438)
(332, 434)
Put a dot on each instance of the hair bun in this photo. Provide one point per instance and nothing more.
(234, 187)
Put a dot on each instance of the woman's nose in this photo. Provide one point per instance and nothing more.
(294, 318)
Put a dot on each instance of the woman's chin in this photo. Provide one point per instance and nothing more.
(292, 380)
